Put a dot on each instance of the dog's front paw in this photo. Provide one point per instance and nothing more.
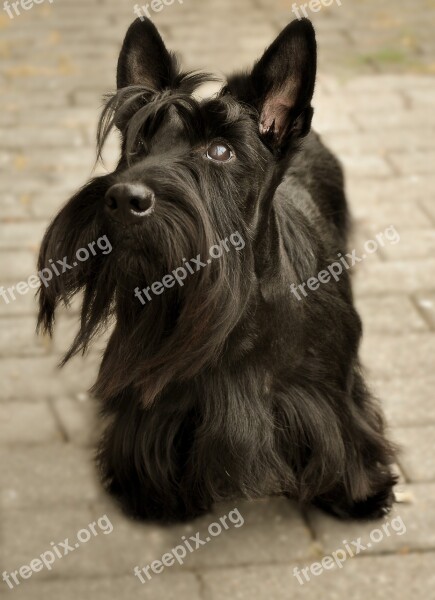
(374, 507)
(145, 507)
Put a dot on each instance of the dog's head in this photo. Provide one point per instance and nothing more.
(193, 174)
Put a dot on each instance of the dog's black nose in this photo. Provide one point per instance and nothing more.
(129, 202)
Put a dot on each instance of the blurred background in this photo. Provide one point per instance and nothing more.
(374, 105)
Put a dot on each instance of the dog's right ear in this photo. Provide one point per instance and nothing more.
(281, 85)
(144, 59)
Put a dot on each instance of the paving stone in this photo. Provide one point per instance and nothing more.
(49, 474)
(78, 419)
(89, 98)
(39, 377)
(429, 205)
(47, 204)
(269, 530)
(413, 162)
(8, 118)
(389, 356)
(27, 423)
(426, 304)
(389, 100)
(417, 456)
(421, 97)
(407, 402)
(14, 208)
(325, 121)
(26, 235)
(398, 191)
(13, 292)
(378, 578)
(395, 277)
(408, 528)
(362, 165)
(27, 305)
(162, 587)
(17, 266)
(76, 163)
(22, 305)
(40, 137)
(29, 533)
(18, 338)
(389, 314)
(375, 215)
(273, 532)
(417, 243)
(370, 141)
(133, 543)
(384, 120)
(22, 188)
(359, 240)
(66, 117)
(15, 101)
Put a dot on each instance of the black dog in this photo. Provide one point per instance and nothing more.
(225, 386)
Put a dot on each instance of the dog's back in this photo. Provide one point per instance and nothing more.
(316, 169)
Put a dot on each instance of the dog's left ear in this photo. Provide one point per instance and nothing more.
(281, 85)
(144, 59)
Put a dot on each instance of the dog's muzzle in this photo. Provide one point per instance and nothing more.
(128, 203)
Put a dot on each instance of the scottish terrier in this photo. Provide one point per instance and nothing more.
(226, 386)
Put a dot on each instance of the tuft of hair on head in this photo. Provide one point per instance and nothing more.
(130, 105)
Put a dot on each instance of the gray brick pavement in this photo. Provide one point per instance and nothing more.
(377, 578)
(374, 106)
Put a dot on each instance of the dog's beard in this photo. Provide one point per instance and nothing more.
(173, 336)
(169, 338)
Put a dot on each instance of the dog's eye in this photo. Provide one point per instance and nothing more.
(219, 152)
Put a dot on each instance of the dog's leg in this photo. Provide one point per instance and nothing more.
(374, 506)
(366, 488)
(335, 446)
(142, 457)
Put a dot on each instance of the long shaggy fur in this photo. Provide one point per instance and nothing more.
(227, 386)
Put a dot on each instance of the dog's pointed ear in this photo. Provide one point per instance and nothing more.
(281, 84)
(144, 59)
